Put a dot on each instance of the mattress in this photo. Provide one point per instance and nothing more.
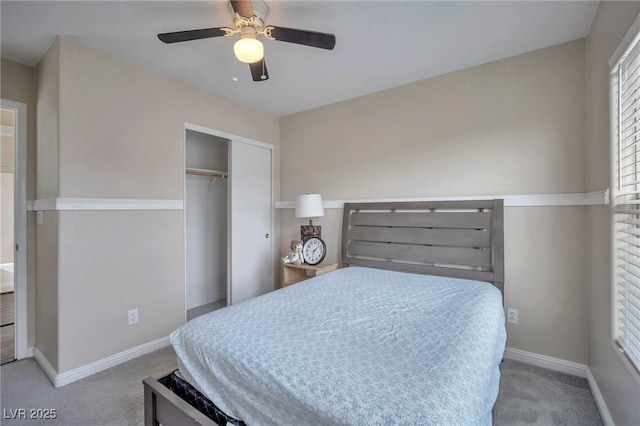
(356, 346)
(178, 385)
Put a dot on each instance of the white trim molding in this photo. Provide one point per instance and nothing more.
(219, 133)
(525, 200)
(61, 203)
(548, 362)
(76, 374)
(46, 366)
(597, 395)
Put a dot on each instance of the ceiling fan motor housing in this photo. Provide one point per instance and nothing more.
(248, 32)
(260, 12)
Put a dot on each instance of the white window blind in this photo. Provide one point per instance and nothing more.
(626, 122)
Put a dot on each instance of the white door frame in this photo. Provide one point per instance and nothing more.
(20, 226)
(230, 136)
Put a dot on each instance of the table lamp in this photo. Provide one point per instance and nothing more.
(309, 205)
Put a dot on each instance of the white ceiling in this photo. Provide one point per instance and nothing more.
(380, 44)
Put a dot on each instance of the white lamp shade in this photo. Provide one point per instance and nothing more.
(309, 205)
(248, 49)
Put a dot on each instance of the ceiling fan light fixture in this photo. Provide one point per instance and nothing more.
(248, 49)
(249, 19)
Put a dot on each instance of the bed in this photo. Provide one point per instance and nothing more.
(409, 331)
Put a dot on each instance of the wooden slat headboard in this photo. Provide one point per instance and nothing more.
(460, 239)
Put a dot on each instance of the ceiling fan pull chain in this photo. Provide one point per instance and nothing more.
(235, 73)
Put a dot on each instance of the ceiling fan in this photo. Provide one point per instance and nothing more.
(249, 21)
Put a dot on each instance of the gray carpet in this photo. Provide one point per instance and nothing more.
(528, 395)
(111, 397)
(535, 396)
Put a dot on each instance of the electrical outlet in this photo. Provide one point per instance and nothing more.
(512, 316)
(132, 315)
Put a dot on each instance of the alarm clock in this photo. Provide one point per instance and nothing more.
(314, 251)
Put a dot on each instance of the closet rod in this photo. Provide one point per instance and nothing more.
(205, 172)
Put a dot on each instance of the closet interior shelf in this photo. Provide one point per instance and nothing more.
(205, 172)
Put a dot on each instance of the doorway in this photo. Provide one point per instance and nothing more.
(7, 282)
(13, 284)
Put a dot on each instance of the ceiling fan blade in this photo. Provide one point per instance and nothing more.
(179, 36)
(259, 70)
(243, 8)
(308, 38)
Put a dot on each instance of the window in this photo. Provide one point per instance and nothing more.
(625, 103)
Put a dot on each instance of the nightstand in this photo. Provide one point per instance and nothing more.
(292, 274)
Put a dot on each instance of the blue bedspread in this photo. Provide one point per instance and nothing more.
(357, 346)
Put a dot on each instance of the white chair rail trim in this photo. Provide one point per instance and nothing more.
(517, 200)
(524, 200)
(61, 203)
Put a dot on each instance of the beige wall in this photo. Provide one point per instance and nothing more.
(507, 127)
(619, 384)
(122, 127)
(47, 298)
(514, 126)
(48, 123)
(109, 263)
(121, 135)
(19, 83)
(47, 248)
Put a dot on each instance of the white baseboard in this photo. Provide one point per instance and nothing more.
(97, 366)
(597, 395)
(548, 362)
(46, 366)
(30, 352)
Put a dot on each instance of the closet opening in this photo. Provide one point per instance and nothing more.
(206, 222)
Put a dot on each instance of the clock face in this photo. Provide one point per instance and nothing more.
(314, 251)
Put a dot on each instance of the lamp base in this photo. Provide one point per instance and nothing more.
(308, 231)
